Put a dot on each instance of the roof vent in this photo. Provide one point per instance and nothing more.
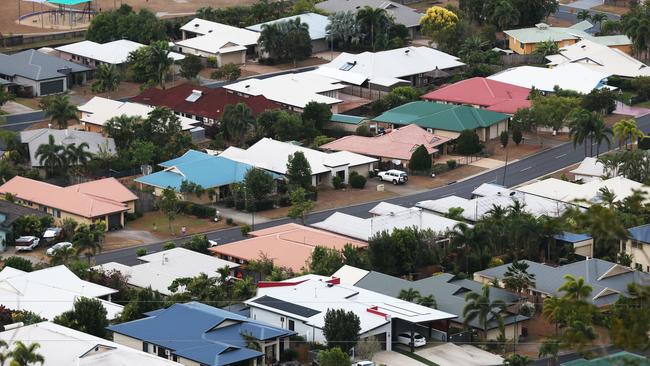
(210, 31)
(196, 25)
(406, 52)
(247, 86)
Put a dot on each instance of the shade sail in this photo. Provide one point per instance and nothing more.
(68, 2)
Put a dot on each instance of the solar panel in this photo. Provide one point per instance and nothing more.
(286, 306)
(196, 94)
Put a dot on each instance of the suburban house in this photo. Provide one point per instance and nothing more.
(93, 54)
(97, 142)
(227, 44)
(60, 345)
(449, 292)
(384, 70)
(9, 212)
(345, 122)
(293, 91)
(386, 217)
(402, 14)
(600, 58)
(590, 169)
(447, 120)
(289, 246)
(524, 41)
(197, 334)
(101, 200)
(317, 24)
(582, 244)
(300, 304)
(273, 156)
(571, 76)
(618, 358)
(158, 270)
(484, 93)
(35, 74)
(208, 171)
(205, 105)
(393, 147)
(638, 247)
(97, 111)
(608, 280)
(58, 285)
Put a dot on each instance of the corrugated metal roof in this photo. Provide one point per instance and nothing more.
(35, 65)
(348, 119)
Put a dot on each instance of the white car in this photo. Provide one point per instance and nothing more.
(51, 251)
(405, 338)
(27, 243)
(212, 243)
(393, 176)
(364, 363)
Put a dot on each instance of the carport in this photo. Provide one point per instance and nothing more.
(435, 328)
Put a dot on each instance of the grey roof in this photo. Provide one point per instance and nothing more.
(286, 306)
(35, 65)
(608, 280)
(12, 211)
(402, 14)
(448, 291)
(35, 138)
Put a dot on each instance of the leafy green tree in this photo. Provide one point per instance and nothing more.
(288, 127)
(504, 137)
(468, 143)
(236, 122)
(341, 329)
(88, 239)
(630, 320)
(26, 355)
(191, 66)
(168, 203)
(550, 348)
(88, 315)
(354, 257)
(344, 28)
(546, 48)
(397, 97)
(123, 23)
(29, 225)
(258, 183)
(26, 317)
(504, 14)
(298, 41)
(325, 261)
(198, 243)
(142, 152)
(20, 263)
(600, 100)
(298, 171)
(59, 110)
(142, 300)
(401, 252)
(517, 360)
(428, 301)
(318, 113)
(107, 78)
(159, 57)
(300, 205)
(420, 159)
(367, 348)
(583, 15)
(479, 306)
(5, 96)
(333, 357)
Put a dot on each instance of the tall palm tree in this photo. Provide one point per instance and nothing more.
(636, 25)
(59, 109)
(62, 256)
(583, 15)
(575, 289)
(78, 154)
(428, 301)
(580, 127)
(50, 155)
(374, 19)
(270, 40)
(579, 336)
(87, 239)
(546, 48)
(295, 27)
(599, 18)
(550, 348)
(408, 294)
(553, 311)
(236, 122)
(159, 58)
(479, 306)
(121, 128)
(504, 14)
(107, 78)
(517, 279)
(24, 355)
(626, 130)
(601, 133)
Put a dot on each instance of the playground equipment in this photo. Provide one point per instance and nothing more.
(59, 13)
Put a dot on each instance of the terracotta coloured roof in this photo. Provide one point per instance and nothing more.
(108, 188)
(64, 199)
(210, 104)
(288, 245)
(504, 97)
(398, 144)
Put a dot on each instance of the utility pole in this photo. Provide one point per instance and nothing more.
(505, 167)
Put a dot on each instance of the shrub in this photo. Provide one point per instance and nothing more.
(169, 245)
(19, 263)
(140, 252)
(229, 221)
(198, 210)
(357, 180)
(451, 164)
(229, 72)
(644, 143)
(212, 62)
(517, 137)
(363, 130)
(245, 229)
(420, 159)
(337, 182)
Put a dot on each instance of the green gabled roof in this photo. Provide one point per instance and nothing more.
(447, 117)
(620, 358)
(346, 118)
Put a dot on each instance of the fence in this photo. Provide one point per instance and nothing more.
(19, 40)
(366, 93)
(516, 59)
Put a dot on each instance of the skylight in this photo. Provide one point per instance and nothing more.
(347, 66)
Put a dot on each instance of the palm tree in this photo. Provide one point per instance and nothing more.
(373, 19)
(583, 15)
(428, 301)
(479, 306)
(580, 127)
(59, 110)
(636, 25)
(408, 294)
(553, 310)
(598, 18)
(160, 60)
(62, 256)
(504, 14)
(236, 122)
(50, 155)
(611, 27)
(77, 155)
(550, 348)
(270, 40)
(546, 48)
(295, 26)
(626, 129)
(24, 355)
(87, 239)
(575, 289)
(579, 336)
(601, 133)
(107, 78)
(517, 279)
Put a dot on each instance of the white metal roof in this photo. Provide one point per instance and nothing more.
(50, 291)
(61, 346)
(316, 294)
(99, 110)
(295, 90)
(273, 155)
(350, 275)
(35, 138)
(162, 268)
(600, 58)
(571, 76)
(216, 37)
(590, 167)
(317, 24)
(387, 67)
(116, 52)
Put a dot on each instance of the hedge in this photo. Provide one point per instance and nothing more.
(198, 210)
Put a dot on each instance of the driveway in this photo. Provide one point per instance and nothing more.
(12, 107)
(630, 111)
(394, 359)
(449, 354)
(585, 4)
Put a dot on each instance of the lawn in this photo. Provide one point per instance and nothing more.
(157, 223)
(645, 104)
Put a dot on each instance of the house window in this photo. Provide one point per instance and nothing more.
(521, 45)
(292, 325)
(56, 213)
(145, 347)
(637, 244)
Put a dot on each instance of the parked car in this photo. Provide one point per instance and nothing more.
(51, 251)
(212, 243)
(394, 176)
(27, 243)
(405, 338)
(52, 234)
(364, 363)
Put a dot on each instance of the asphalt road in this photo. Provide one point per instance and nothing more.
(519, 172)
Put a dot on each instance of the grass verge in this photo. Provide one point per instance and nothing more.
(416, 357)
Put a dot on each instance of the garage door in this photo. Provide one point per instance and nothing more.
(52, 87)
(115, 221)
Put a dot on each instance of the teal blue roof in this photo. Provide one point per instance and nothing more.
(68, 2)
(447, 117)
(196, 167)
(346, 118)
(616, 359)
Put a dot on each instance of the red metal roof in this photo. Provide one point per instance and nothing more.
(486, 93)
(210, 105)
